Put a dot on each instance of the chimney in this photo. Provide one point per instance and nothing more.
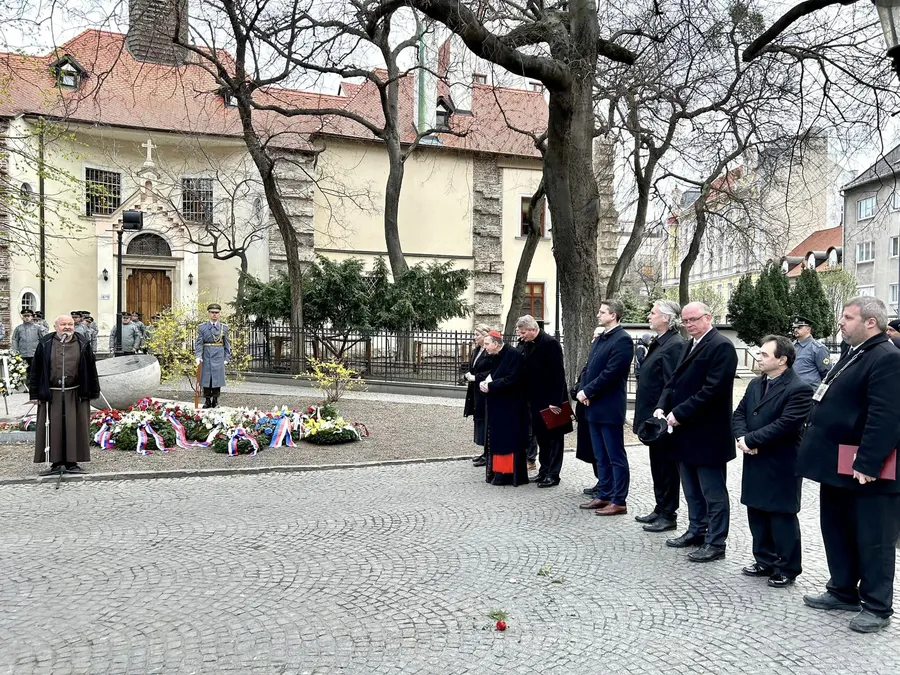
(152, 28)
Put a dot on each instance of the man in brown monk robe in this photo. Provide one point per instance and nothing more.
(63, 378)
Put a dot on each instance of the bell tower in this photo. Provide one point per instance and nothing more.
(153, 26)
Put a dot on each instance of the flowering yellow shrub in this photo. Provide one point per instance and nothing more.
(334, 379)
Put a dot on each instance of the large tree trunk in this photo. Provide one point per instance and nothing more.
(531, 243)
(684, 280)
(574, 200)
(643, 176)
(392, 204)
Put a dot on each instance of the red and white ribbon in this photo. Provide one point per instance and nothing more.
(239, 433)
(181, 439)
(103, 437)
(144, 429)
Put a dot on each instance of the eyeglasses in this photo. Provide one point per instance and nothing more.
(694, 319)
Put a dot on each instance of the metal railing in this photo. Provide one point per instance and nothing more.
(434, 357)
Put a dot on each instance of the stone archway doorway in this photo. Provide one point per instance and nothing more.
(148, 292)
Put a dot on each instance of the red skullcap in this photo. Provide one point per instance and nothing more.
(495, 334)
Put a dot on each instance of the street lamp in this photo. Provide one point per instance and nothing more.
(889, 14)
(131, 221)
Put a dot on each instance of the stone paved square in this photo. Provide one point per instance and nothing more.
(393, 570)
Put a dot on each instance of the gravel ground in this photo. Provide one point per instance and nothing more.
(397, 431)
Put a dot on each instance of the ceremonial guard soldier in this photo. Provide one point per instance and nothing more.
(25, 337)
(813, 360)
(213, 351)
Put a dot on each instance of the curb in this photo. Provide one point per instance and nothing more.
(237, 471)
(202, 473)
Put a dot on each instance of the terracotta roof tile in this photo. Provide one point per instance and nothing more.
(820, 240)
(120, 91)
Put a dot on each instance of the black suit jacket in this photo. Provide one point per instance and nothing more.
(480, 368)
(662, 358)
(772, 425)
(860, 408)
(700, 396)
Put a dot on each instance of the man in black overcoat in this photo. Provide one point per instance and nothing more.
(545, 382)
(856, 405)
(478, 368)
(697, 403)
(663, 354)
(767, 426)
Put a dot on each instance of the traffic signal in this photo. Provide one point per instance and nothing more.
(132, 220)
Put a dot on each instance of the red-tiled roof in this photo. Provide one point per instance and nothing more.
(820, 240)
(123, 92)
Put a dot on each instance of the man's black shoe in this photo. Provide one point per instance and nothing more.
(685, 540)
(75, 469)
(548, 482)
(481, 461)
(589, 491)
(52, 471)
(477, 457)
(649, 518)
(756, 570)
(829, 602)
(661, 525)
(866, 622)
(780, 581)
(706, 553)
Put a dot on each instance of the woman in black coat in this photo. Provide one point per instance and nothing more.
(479, 368)
(507, 415)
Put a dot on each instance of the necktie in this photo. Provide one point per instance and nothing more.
(765, 385)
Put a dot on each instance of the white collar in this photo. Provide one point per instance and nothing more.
(697, 340)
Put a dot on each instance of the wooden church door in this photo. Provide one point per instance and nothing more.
(148, 292)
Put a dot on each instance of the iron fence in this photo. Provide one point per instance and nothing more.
(432, 357)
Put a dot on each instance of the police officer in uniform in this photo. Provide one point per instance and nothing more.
(212, 349)
(80, 328)
(813, 360)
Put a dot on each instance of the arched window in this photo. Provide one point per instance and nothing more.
(149, 244)
(29, 301)
(811, 261)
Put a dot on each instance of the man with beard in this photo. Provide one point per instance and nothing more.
(849, 441)
(63, 379)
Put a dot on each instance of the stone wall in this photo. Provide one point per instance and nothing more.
(608, 215)
(5, 265)
(293, 171)
(487, 245)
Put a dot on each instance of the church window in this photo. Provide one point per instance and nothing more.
(29, 301)
(103, 191)
(479, 78)
(533, 303)
(67, 72)
(523, 230)
(197, 199)
(149, 244)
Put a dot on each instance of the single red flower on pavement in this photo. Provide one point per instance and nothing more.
(501, 625)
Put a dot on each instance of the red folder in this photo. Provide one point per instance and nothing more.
(553, 420)
(847, 453)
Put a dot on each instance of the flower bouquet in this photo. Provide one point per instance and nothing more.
(17, 375)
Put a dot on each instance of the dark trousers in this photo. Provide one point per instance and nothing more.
(27, 360)
(551, 454)
(860, 533)
(613, 476)
(706, 494)
(776, 541)
(666, 481)
(531, 454)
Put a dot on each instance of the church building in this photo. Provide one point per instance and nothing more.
(109, 122)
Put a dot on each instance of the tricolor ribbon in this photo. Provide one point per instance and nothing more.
(282, 434)
(181, 439)
(103, 437)
(27, 421)
(239, 433)
(144, 429)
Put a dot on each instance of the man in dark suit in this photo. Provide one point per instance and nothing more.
(545, 382)
(768, 424)
(663, 355)
(856, 405)
(603, 381)
(697, 404)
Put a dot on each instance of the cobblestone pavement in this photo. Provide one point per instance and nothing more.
(392, 570)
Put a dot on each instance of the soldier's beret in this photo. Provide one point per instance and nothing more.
(652, 430)
(214, 307)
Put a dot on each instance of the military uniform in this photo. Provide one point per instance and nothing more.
(25, 339)
(212, 350)
(131, 338)
(813, 360)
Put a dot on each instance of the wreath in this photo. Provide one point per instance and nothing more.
(17, 373)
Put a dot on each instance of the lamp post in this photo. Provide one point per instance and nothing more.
(889, 15)
(131, 221)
